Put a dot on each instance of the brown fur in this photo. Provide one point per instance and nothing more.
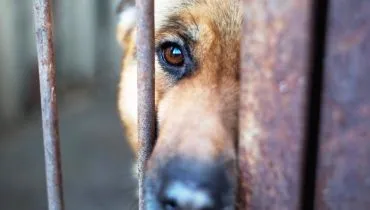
(197, 115)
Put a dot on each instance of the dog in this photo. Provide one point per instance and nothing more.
(193, 165)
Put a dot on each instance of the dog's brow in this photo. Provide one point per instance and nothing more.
(193, 18)
(176, 25)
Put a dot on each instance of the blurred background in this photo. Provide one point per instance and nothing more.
(96, 160)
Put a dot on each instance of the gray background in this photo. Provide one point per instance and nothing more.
(96, 159)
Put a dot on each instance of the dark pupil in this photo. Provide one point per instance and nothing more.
(174, 56)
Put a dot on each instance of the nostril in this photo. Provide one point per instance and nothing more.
(169, 204)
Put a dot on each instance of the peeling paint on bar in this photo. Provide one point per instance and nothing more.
(146, 112)
(46, 61)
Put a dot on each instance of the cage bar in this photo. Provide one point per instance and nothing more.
(46, 62)
(343, 169)
(274, 78)
(146, 114)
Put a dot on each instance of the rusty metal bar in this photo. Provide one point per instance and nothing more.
(274, 79)
(46, 62)
(146, 114)
(343, 178)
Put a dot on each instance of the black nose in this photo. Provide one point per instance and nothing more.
(192, 185)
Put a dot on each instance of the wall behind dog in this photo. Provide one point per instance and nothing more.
(96, 160)
(86, 51)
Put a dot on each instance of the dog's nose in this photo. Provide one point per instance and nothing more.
(188, 185)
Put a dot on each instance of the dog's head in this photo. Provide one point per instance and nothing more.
(193, 165)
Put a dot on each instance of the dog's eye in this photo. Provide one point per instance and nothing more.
(173, 55)
(175, 59)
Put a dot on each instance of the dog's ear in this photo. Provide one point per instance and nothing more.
(126, 11)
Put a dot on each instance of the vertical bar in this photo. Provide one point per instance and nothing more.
(146, 114)
(44, 39)
(274, 82)
(343, 178)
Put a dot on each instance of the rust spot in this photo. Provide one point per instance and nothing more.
(353, 39)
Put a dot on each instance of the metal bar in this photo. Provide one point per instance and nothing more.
(44, 40)
(146, 112)
(343, 178)
(274, 79)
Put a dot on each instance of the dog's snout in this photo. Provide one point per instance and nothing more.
(192, 185)
(180, 196)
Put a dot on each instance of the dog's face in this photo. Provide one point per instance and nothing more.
(193, 164)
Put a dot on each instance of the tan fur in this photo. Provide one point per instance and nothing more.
(197, 115)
